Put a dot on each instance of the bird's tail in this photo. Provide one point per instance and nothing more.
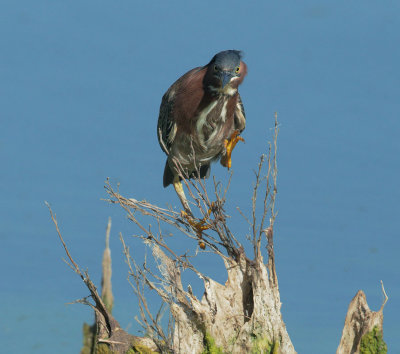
(168, 177)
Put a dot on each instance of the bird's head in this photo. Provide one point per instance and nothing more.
(225, 72)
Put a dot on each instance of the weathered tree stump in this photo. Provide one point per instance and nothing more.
(363, 328)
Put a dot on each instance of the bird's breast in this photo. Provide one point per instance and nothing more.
(212, 122)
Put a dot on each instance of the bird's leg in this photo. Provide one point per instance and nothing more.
(181, 194)
(199, 226)
(229, 146)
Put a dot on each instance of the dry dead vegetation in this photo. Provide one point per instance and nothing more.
(241, 316)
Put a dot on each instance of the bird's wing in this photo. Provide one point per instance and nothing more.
(166, 126)
(240, 115)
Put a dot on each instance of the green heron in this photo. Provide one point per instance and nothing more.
(201, 117)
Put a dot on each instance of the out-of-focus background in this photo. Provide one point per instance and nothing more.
(80, 88)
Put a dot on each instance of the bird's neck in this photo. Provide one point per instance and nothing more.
(219, 91)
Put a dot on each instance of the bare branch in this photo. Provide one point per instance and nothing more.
(53, 217)
(108, 329)
(386, 298)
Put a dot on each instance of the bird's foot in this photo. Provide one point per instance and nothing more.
(230, 144)
(199, 225)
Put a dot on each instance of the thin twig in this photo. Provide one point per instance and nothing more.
(386, 298)
(100, 306)
(53, 217)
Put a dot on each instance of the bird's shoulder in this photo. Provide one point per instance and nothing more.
(191, 79)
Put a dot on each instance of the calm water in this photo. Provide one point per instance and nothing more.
(80, 88)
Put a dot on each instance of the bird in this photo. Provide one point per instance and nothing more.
(201, 118)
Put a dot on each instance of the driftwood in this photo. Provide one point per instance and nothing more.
(241, 316)
(363, 328)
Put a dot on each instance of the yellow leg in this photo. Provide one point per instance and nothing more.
(181, 194)
(230, 144)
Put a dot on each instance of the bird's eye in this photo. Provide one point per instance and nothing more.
(237, 69)
(215, 68)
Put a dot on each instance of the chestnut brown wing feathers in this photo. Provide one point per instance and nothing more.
(168, 119)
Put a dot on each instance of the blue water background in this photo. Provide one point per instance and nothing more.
(80, 88)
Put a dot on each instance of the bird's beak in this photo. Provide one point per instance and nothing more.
(225, 78)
